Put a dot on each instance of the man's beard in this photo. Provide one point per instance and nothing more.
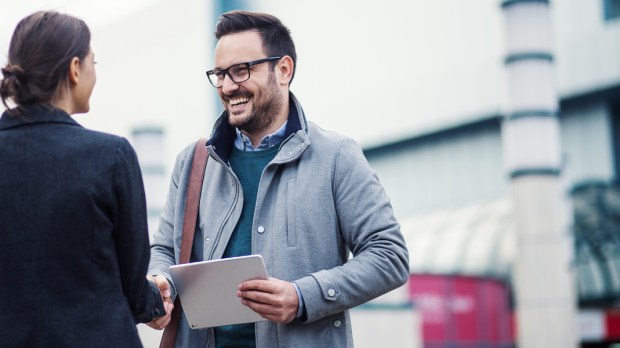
(265, 107)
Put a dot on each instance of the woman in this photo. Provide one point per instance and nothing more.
(73, 225)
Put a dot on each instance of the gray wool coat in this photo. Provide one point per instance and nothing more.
(318, 203)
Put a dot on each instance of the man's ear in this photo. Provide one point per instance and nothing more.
(285, 70)
(74, 71)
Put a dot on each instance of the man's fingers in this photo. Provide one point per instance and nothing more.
(161, 323)
(163, 285)
(260, 308)
(269, 312)
(257, 296)
(169, 306)
(256, 284)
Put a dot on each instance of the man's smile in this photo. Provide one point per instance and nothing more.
(238, 101)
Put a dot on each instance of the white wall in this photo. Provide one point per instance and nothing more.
(411, 65)
(587, 47)
(151, 71)
(384, 69)
(378, 70)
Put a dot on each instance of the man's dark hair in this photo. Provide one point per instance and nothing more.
(277, 41)
(41, 49)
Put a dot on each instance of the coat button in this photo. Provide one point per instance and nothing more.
(331, 292)
(337, 323)
(260, 229)
(289, 153)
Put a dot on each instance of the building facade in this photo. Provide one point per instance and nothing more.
(450, 186)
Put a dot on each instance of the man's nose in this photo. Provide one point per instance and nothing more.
(229, 85)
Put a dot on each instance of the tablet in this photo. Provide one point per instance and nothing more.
(208, 290)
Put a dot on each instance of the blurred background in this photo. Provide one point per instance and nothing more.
(493, 125)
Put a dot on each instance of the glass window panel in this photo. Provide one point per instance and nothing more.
(611, 9)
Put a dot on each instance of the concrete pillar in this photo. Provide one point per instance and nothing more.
(542, 275)
(150, 148)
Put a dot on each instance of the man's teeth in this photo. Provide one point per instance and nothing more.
(237, 101)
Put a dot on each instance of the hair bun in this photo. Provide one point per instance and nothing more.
(12, 70)
(14, 85)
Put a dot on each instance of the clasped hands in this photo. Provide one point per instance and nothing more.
(164, 291)
(273, 299)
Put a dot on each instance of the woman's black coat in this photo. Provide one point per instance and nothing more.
(74, 245)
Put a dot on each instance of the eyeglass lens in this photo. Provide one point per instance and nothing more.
(238, 73)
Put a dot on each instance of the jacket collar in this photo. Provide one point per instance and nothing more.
(223, 135)
(34, 114)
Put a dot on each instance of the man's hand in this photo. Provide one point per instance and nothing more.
(273, 299)
(164, 291)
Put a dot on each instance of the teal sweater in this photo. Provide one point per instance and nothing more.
(248, 166)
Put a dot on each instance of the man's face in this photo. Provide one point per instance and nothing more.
(253, 104)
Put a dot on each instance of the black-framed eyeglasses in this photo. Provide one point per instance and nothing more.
(237, 72)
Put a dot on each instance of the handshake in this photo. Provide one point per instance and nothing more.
(164, 291)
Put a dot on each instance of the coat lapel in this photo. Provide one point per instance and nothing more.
(34, 115)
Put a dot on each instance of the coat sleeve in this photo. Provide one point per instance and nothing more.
(380, 261)
(131, 237)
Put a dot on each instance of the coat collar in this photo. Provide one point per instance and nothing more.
(223, 135)
(34, 114)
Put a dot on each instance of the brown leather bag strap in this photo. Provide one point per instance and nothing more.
(192, 200)
(199, 163)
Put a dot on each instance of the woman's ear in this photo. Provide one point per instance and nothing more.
(74, 71)
(285, 70)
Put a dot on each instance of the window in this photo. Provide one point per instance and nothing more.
(611, 9)
(597, 241)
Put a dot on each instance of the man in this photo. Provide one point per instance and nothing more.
(280, 186)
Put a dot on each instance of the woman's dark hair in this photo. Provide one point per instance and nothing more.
(276, 37)
(41, 50)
